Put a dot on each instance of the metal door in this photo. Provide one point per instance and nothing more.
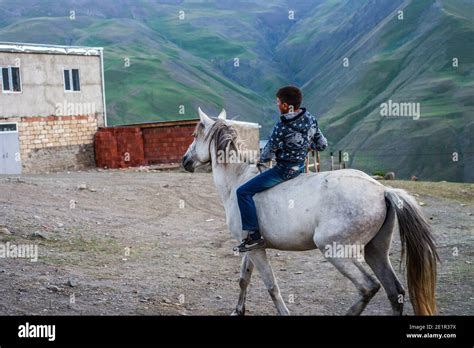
(10, 161)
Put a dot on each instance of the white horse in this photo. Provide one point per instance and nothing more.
(323, 210)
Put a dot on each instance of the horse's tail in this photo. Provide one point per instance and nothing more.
(419, 248)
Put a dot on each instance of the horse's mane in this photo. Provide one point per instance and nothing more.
(225, 139)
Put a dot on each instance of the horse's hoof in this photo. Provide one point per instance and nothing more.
(238, 313)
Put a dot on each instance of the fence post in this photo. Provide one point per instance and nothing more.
(332, 161)
(318, 161)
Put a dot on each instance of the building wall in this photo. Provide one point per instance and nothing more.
(249, 133)
(56, 128)
(159, 143)
(43, 91)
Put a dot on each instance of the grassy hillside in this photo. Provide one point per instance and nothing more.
(407, 60)
(189, 62)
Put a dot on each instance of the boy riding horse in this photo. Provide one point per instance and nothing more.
(295, 133)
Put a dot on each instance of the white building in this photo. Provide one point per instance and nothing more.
(52, 100)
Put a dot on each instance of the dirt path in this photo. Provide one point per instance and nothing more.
(156, 243)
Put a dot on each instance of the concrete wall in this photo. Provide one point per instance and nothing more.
(249, 133)
(43, 91)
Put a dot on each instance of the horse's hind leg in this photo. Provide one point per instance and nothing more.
(351, 268)
(246, 269)
(364, 282)
(259, 259)
(376, 255)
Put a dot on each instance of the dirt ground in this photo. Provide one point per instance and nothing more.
(156, 243)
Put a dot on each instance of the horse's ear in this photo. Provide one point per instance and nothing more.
(222, 115)
(206, 120)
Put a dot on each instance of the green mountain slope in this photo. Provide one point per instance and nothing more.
(190, 62)
(407, 61)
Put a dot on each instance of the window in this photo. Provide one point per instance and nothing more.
(71, 80)
(8, 128)
(11, 81)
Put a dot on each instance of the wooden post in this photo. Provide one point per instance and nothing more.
(332, 161)
(319, 161)
(315, 163)
(340, 159)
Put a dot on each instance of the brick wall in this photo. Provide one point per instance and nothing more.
(166, 145)
(119, 147)
(55, 143)
(153, 143)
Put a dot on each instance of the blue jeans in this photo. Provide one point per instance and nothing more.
(262, 182)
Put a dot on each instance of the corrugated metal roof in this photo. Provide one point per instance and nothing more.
(17, 47)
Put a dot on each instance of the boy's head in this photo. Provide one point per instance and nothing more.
(289, 99)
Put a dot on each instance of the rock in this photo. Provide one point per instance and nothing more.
(299, 272)
(166, 185)
(92, 189)
(72, 282)
(4, 230)
(166, 300)
(82, 187)
(219, 297)
(181, 276)
(421, 203)
(209, 220)
(39, 235)
(377, 177)
(389, 176)
(53, 288)
(15, 179)
(414, 178)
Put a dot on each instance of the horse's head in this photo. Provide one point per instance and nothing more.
(199, 152)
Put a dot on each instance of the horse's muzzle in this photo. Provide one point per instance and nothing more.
(187, 164)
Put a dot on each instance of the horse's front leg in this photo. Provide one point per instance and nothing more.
(259, 259)
(246, 269)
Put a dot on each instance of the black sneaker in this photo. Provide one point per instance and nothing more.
(250, 244)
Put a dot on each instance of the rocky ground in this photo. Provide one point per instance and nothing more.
(155, 243)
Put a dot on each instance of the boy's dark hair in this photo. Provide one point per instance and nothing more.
(291, 95)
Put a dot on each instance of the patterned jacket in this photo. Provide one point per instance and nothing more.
(291, 138)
